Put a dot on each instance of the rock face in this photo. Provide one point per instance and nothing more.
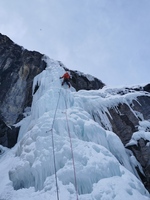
(18, 67)
(17, 70)
(124, 122)
(81, 81)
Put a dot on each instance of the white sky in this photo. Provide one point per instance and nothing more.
(109, 39)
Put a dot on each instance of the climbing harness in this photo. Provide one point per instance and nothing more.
(73, 163)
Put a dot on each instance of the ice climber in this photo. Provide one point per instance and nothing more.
(66, 78)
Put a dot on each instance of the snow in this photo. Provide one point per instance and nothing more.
(88, 76)
(143, 132)
(104, 170)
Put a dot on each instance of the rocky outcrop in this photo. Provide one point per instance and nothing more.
(18, 67)
(124, 121)
(147, 88)
(81, 81)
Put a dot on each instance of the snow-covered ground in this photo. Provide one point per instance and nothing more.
(62, 153)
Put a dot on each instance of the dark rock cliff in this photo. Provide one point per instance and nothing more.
(81, 81)
(17, 70)
(18, 67)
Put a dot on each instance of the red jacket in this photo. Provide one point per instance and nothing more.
(66, 76)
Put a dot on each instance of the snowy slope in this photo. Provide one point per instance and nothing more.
(98, 168)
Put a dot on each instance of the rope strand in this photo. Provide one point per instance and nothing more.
(73, 163)
(71, 147)
(53, 146)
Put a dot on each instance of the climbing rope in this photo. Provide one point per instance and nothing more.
(71, 147)
(53, 146)
(73, 163)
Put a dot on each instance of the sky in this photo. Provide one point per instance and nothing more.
(109, 39)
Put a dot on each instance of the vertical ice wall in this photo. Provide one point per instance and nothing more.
(97, 153)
